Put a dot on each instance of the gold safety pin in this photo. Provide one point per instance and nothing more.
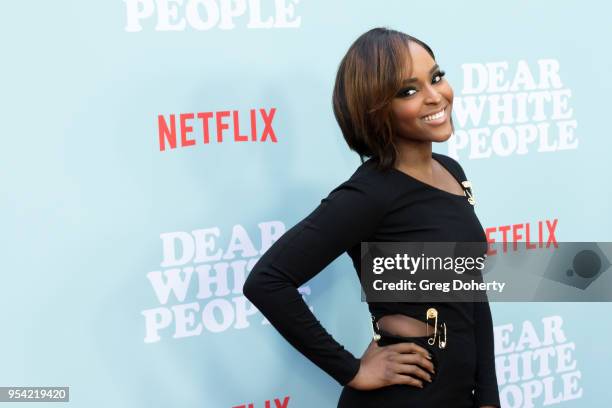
(432, 313)
(375, 335)
(442, 343)
(467, 189)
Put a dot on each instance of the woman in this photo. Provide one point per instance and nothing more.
(391, 101)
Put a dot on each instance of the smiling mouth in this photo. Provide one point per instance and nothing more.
(435, 114)
(436, 119)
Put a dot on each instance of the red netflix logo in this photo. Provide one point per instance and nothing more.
(268, 404)
(213, 123)
(524, 232)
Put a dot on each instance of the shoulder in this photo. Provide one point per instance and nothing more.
(367, 183)
(451, 163)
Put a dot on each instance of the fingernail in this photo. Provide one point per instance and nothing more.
(429, 356)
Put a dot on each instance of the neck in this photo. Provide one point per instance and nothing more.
(415, 156)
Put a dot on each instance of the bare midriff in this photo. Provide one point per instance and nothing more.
(406, 326)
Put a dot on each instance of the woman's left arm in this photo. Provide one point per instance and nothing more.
(486, 392)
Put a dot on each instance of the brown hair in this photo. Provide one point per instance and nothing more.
(368, 78)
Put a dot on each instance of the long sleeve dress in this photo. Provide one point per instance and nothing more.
(381, 206)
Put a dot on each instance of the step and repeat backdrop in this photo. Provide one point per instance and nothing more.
(152, 150)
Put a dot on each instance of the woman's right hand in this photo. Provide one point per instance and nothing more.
(400, 363)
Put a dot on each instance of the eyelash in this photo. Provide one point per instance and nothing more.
(438, 73)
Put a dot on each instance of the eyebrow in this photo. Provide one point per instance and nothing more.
(407, 81)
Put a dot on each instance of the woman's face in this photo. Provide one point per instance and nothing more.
(416, 100)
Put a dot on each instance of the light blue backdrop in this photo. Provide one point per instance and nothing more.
(88, 194)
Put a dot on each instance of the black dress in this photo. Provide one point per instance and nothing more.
(374, 205)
